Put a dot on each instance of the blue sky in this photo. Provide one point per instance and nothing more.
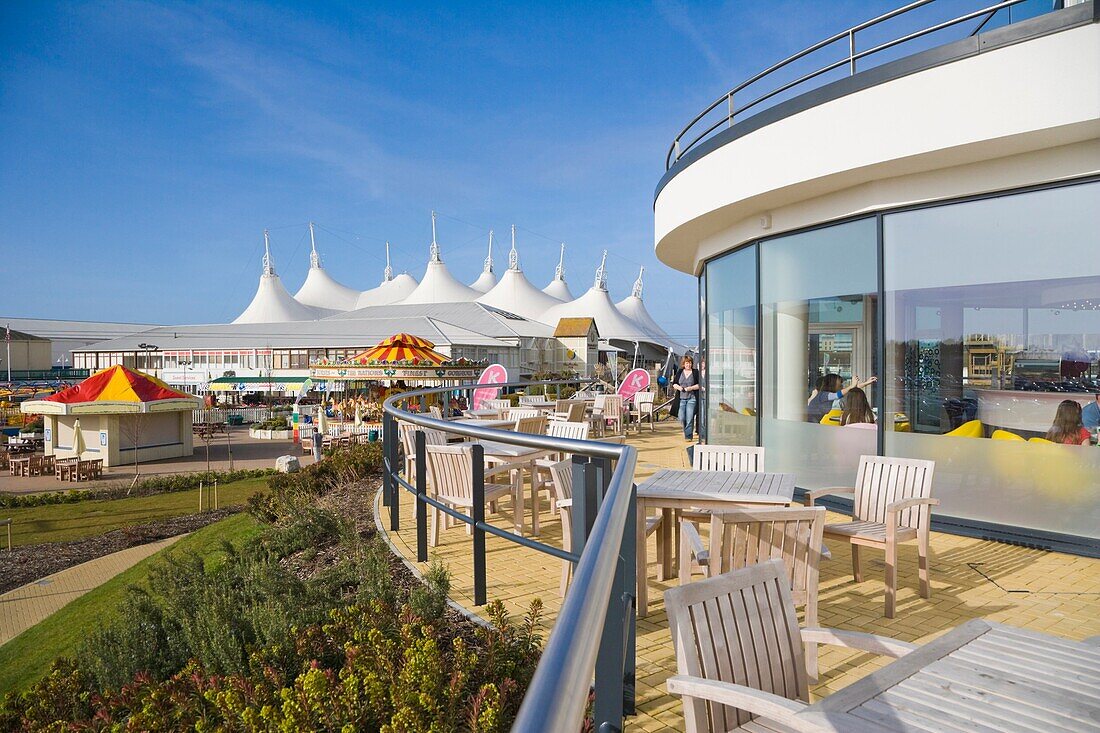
(144, 147)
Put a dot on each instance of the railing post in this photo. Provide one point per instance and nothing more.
(421, 490)
(729, 106)
(389, 455)
(610, 703)
(852, 52)
(584, 501)
(478, 452)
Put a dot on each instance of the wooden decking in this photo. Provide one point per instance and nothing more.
(1050, 592)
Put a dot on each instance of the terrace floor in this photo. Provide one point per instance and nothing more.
(1046, 591)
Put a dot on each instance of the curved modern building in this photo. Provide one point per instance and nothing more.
(925, 212)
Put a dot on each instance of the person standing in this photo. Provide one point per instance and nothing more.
(686, 385)
(1090, 415)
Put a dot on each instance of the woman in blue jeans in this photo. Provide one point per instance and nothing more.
(686, 385)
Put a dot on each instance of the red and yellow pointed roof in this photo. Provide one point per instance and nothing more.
(114, 390)
(401, 347)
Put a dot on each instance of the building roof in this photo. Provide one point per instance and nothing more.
(390, 291)
(116, 389)
(20, 335)
(475, 316)
(515, 293)
(596, 303)
(558, 288)
(438, 284)
(272, 303)
(56, 329)
(634, 308)
(320, 289)
(487, 279)
(574, 327)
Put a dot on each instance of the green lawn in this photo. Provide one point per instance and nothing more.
(29, 655)
(63, 522)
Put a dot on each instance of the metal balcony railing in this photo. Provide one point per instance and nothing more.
(773, 81)
(591, 646)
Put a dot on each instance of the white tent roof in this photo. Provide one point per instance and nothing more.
(319, 289)
(596, 304)
(558, 287)
(438, 284)
(515, 293)
(634, 308)
(487, 279)
(272, 303)
(391, 290)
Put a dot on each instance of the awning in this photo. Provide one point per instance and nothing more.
(288, 385)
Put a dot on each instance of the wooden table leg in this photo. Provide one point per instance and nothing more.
(642, 561)
(668, 516)
(534, 498)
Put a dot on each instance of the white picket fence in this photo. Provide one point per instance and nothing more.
(221, 414)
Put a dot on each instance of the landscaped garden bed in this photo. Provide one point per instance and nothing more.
(311, 624)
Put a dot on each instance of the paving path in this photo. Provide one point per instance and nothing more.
(24, 607)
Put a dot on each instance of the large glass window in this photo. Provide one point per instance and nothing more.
(819, 310)
(730, 363)
(993, 320)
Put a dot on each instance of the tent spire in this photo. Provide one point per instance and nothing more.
(269, 264)
(601, 273)
(435, 245)
(489, 259)
(513, 256)
(314, 258)
(387, 274)
(559, 271)
(637, 291)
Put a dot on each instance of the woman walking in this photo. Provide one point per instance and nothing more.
(686, 385)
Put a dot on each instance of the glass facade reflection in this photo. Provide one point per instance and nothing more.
(977, 318)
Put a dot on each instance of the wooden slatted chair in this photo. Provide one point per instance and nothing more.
(501, 407)
(542, 478)
(435, 411)
(532, 425)
(739, 652)
(596, 419)
(613, 413)
(710, 458)
(740, 538)
(643, 401)
(569, 411)
(407, 432)
(561, 481)
(451, 476)
(892, 503)
(528, 399)
(518, 413)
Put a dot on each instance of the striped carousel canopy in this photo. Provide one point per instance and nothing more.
(401, 347)
(116, 389)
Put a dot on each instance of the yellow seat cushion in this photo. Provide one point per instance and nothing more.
(1005, 435)
(971, 429)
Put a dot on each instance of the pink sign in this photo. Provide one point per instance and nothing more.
(633, 383)
(493, 374)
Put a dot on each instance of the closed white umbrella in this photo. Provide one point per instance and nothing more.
(358, 414)
(79, 446)
(322, 421)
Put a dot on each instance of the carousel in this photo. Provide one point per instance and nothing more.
(396, 364)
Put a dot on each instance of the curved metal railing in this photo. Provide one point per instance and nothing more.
(591, 637)
(698, 129)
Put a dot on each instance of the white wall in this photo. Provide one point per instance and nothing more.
(1023, 114)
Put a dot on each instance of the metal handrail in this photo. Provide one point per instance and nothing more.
(678, 148)
(558, 694)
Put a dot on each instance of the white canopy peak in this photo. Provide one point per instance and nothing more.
(489, 259)
(601, 273)
(637, 291)
(559, 271)
(387, 274)
(269, 263)
(435, 245)
(513, 255)
(314, 258)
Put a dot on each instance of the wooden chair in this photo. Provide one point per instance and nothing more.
(643, 401)
(892, 504)
(516, 414)
(613, 412)
(740, 538)
(542, 478)
(501, 406)
(451, 472)
(569, 411)
(530, 399)
(561, 480)
(407, 432)
(596, 418)
(435, 411)
(739, 652)
(727, 458)
(533, 425)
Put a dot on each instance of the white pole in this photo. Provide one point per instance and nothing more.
(7, 340)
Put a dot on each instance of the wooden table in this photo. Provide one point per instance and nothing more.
(483, 413)
(20, 465)
(981, 676)
(67, 469)
(484, 423)
(521, 456)
(670, 490)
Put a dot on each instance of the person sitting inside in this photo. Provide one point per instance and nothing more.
(857, 410)
(1090, 414)
(1067, 428)
(830, 388)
